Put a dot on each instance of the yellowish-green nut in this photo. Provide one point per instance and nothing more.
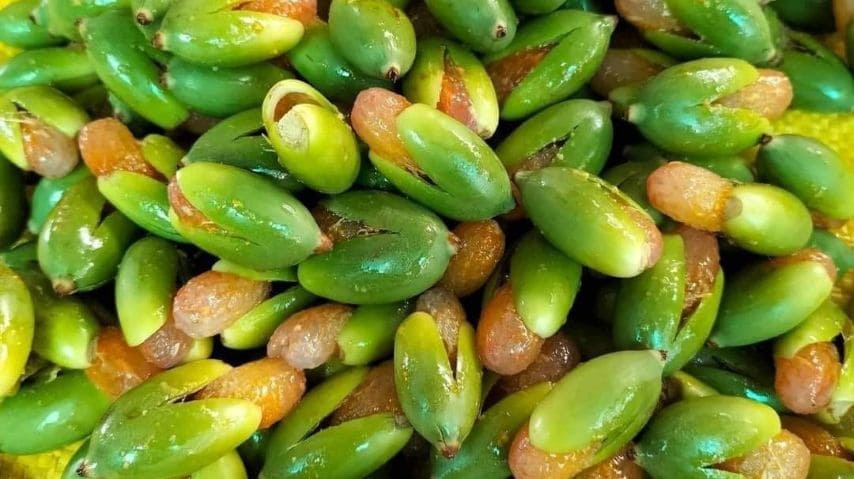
(590, 221)
(450, 78)
(606, 400)
(484, 25)
(65, 68)
(219, 33)
(373, 35)
(255, 328)
(153, 431)
(145, 284)
(17, 322)
(50, 112)
(769, 299)
(441, 399)
(19, 29)
(81, 245)
(313, 141)
(687, 439)
(229, 466)
(675, 110)
(241, 217)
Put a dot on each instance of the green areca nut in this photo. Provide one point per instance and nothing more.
(437, 61)
(733, 383)
(317, 404)
(65, 68)
(579, 132)
(149, 14)
(247, 218)
(461, 177)
(383, 31)
(43, 104)
(65, 327)
(609, 399)
(221, 92)
(50, 412)
(70, 471)
(218, 33)
(79, 246)
(823, 325)
(484, 452)
(310, 136)
(829, 467)
(649, 309)
(64, 16)
(141, 198)
(769, 299)
(229, 466)
(674, 109)
(350, 450)
(47, 193)
(829, 244)
(689, 438)
(440, 399)
(151, 431)
(765, 219)
(590, 221)
(239, 141)
(577, 42)
(810, 170)
(317, 60)
(731, 28)
(411, 243)
(814, 15)
(545, 283)
(19, 29)
(368, 334)
(820, 80)
(123, 60)
(483, 25)
(13, 203)
(254, 329)
(17, 322)
(630, 177)
(145, 284)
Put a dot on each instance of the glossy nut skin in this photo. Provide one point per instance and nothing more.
(17, 322)
(355, 448)
(484, 452)
(732, 28)
(148, 432)
(237, 141)
(63, 17)
(440, 399)
(51, 412)
(77, 262)
(221, 92)
(649, 308)
(217, 33)
(810, 170)
(47, 193)
(448, 77)
(266, 228)
(576, 42)
(669, 105)
(484, 25)
(65, 68)
(694, 434)
(65, 326)
(607, 407)
(458, 175)
(382, 29)
(545, 283)
(819, 78)
(573, 133)
(792, 287)
(310, 136)
(19, 29)
(50, 109)
(412, 242)
(111, 40)
(561, 200)
(145, 284)
(317, 60)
